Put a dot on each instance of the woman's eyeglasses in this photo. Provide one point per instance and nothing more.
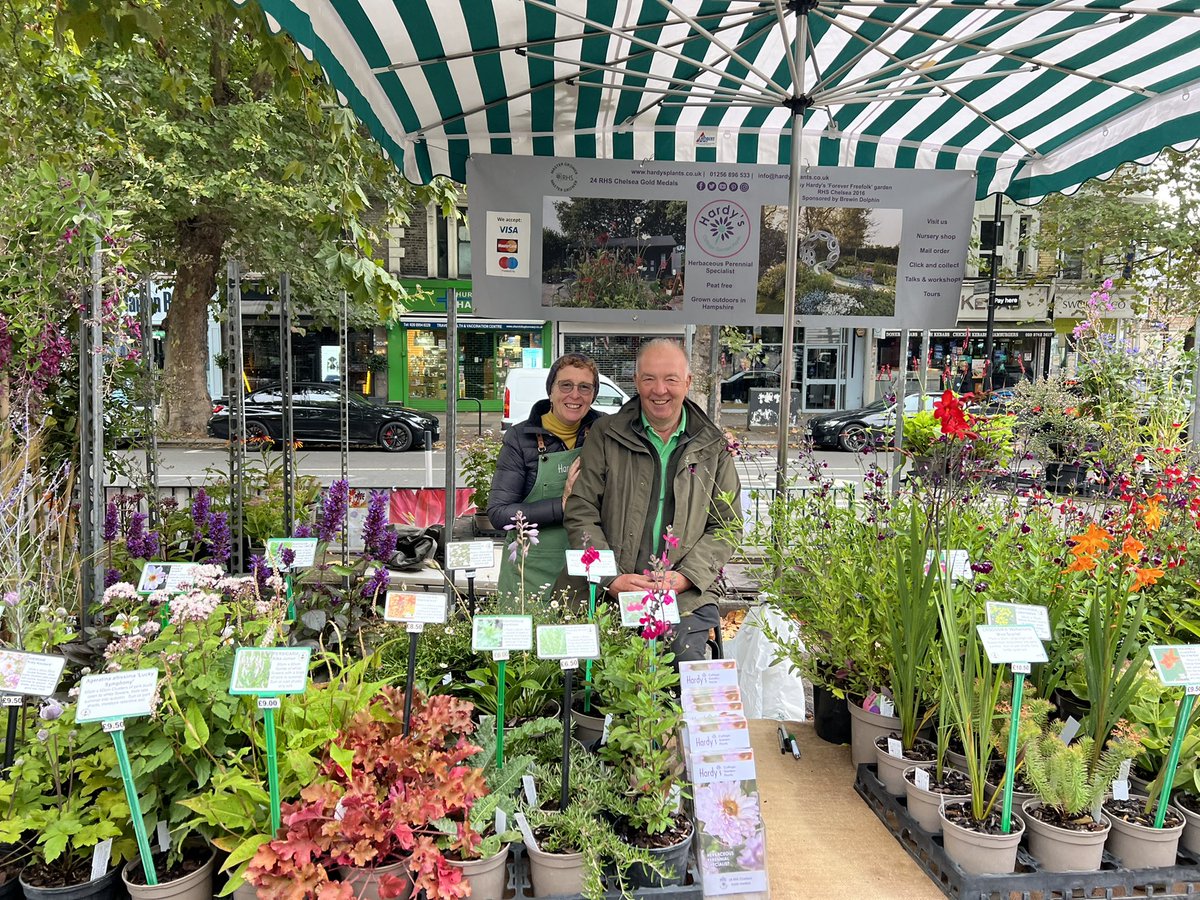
(566, 387)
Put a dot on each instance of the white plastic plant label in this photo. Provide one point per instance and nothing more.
(1069, 730)
(1126, 768)
(1006, 644)
(1178, 665)
(604, 734)
(270, 670)
(921, 779)
(304, 553)
(895, 748)
(117, 695)
(404, 606)
(101, 854)
(635, 607)
(1120, 790)
(164, 836)
(886, 706)
(30, 674)
(501, 821)
(955, 563)
(568, 641)
(470, 555)
(531, 796)
(172, 577)
(603, 567)
(526, 831)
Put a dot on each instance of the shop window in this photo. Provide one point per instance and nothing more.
(451, 247)
(427, 363)
(1070, 265)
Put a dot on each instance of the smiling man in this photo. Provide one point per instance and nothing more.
(657, 462)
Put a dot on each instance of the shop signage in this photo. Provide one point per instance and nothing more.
(1023, 304)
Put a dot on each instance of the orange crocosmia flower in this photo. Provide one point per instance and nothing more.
(1091, 541)
(1081, 563)
(1132, 547)
(1153, 515)
(1145, 577)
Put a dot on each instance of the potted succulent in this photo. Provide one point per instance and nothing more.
(386, 791)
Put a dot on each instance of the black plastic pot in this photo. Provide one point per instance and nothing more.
(1067, 704)
(10, 889)
(672, 859)
(105, 888)
(831, 717)
(1067, 478)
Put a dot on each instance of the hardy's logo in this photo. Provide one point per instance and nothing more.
(564, 176)
(704, 139)
(722, 228)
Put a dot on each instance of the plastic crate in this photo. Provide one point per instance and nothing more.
(1028, 882)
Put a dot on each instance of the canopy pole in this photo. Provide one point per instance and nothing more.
(788, 363)
(991, 309)
(450, 435)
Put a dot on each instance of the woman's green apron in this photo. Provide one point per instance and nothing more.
(545, 559)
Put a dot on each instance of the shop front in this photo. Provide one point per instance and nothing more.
(487, 350)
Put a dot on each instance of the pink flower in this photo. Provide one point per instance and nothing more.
(671, 540)
(590, 555)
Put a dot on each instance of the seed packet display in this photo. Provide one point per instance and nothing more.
(730, 837)
(709, 733)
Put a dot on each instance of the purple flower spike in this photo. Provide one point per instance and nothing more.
(333, 511)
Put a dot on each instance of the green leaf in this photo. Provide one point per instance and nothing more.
(197, 731)
(343, 757)
(245, 850)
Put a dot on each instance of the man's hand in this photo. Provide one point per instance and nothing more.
(674, 581)
(572, 474)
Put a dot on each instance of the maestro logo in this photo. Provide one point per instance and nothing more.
(564, 176)
(722, 228)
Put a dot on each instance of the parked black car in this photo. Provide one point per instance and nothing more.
(316, 416)
(736, 388)
(854, 429)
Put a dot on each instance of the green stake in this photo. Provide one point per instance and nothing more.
(587, 668)
(116, 727)
(1010, 763)
(287, 581)
(268, 705)
(501, 664)
(1181, 721)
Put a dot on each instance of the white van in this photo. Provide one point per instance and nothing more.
(525, 387)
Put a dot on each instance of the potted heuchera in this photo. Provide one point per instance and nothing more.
(385, 791)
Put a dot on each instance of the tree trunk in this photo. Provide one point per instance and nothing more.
(186, 403)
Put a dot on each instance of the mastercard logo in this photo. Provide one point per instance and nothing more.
(506, 245)
(508, 262)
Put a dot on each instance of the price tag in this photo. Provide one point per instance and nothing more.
(501, 821)
(1120, 790)
(568, 641)
(470, 555)
(1020, 614)
(305, 550)
(500, 655)
(1021, 668)
(164, 836)
(101, 854)
(11, 700)
(270, 670)
(526, 831)
(415, 627)
(569, 662)
(921, 779)
(268, 703)
(1193, 690)
(606, 565)
(34, 674)
(1069, 730)
(531, 797)
(403, 606)
(111, 725)
(492, 633)
(895, 748)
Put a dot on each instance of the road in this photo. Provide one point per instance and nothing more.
(375, 469)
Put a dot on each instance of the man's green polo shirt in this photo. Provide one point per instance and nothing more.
(664, 450)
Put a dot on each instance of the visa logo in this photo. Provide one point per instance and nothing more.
(508, 229)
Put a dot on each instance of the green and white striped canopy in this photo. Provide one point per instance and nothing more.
(1035, 95)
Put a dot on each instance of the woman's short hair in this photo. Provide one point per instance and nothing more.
(578, 361)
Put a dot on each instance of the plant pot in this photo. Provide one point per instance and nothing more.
(586, 727)
(245, 892)
(555, 873)
(831, 716)
(196, 885)
(1070, 478)
(926, 806)
(864, 728)
(1140, 846)
(104, 888)
(891, 768)
(673, 859)
(956, 760)
(1060, 849)
(1067, 704)
(365, 882)
(1018, 797)
(488, 877)
(10, 889)
(1190, 839)
(977, 853)
(482, 525)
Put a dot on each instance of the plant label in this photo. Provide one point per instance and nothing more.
(470, 555)
(895, 748)
(886, 706)
(605, 566)
(604, 733)
(304, 552)
(570, 662)
(568, 641)
(1123, 772)
(269, 703)
(921, 779)
(635, 607)
(117, 695)
(402, 606)
(1006, 644)
(501, 633)
(101, 854)
(270, 670)
(1120, 790)
(30, 674)
(706, 674)
(527, 783)
(447, 679)
(501, 821)
(163, 835)
(1178, 665)
(1020, 614)
(172, 577)
(729, 827)
(1069, 730)
(526, 831)
(955, 563)
(1192, 690)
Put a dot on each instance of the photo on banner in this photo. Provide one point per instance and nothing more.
(706, 243)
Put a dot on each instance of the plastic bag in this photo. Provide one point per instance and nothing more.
(768, 691)
(415, 546)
